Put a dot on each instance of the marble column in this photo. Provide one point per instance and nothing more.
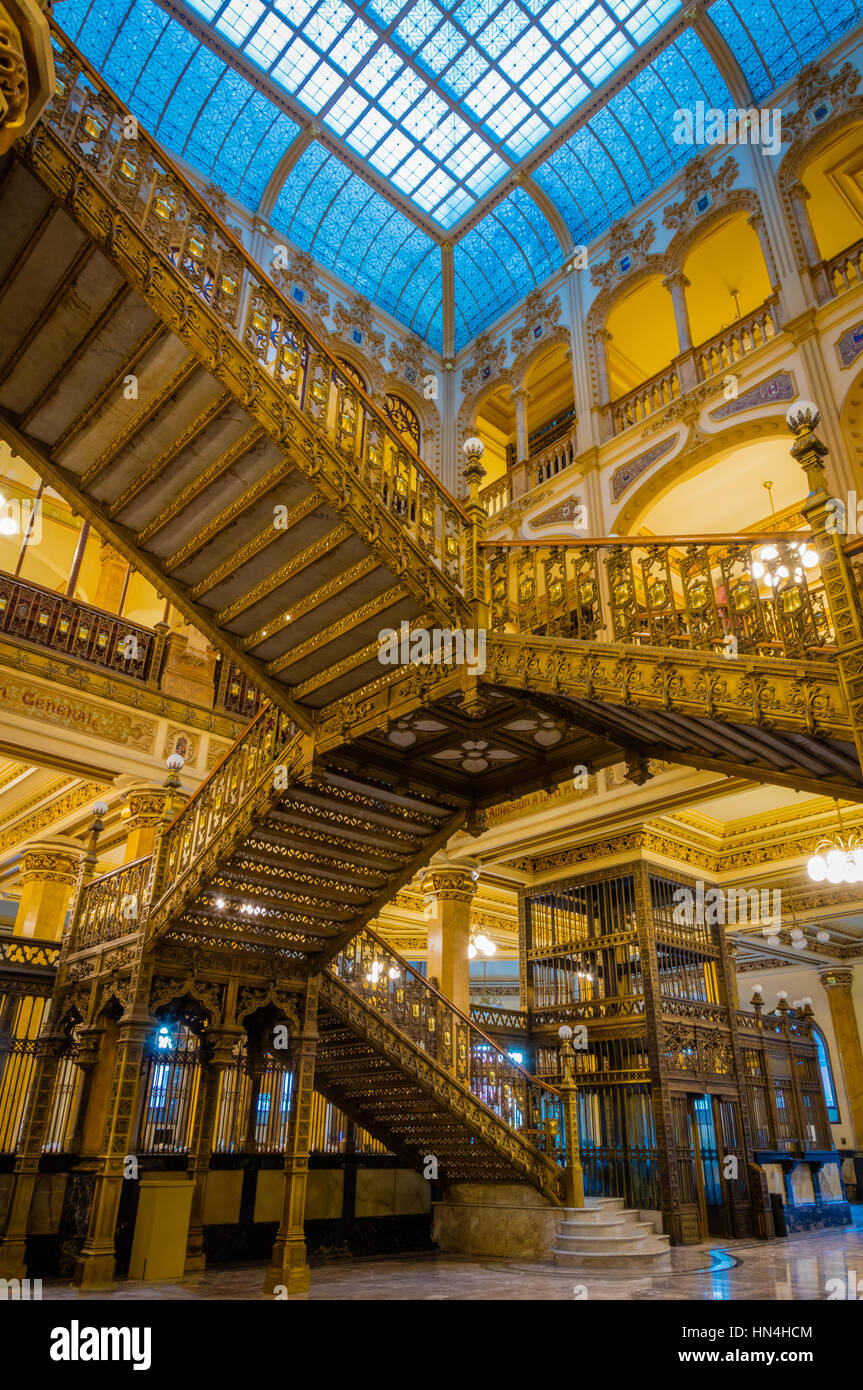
(838, 984)
(49, 872)
(677, 284)
(449, 891)
(520, 398)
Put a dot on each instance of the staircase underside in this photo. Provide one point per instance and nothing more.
(124, 391)
(393, 1089)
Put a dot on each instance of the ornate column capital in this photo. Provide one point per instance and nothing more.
(449, 884)
(51, 861)
(676, 280)
(836, 979)
(146, 805)
(27, 79)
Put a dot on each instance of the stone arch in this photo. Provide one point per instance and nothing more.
(469, 408)
(426, 411)
(698, 451)
(741, 200)
(370, 370)
(807, 144)
(851, 424)
(521, 367)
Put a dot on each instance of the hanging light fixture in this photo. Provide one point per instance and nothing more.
(838, 858)
(480, 943)
(802, 556)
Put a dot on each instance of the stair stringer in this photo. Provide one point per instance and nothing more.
(527, 1163)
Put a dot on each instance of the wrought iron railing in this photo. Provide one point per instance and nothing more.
(110, 906)
(66, 626)
(729, 594)
(390, 986)
(219, 798)
(152, 192)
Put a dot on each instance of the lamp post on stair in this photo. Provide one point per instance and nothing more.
(569, 1092)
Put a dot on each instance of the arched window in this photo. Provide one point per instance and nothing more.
(405, 420)
(826, 1075)
(352, 374)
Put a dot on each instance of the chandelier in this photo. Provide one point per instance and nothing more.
(838, 858)
(799, 554)
(480, 943)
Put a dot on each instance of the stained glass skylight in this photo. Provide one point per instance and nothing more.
(440, 99)
(773, 39)
(626, 150)
(189, 99)
(502, 259)
(345, 225)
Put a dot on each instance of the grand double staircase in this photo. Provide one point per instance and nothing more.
(173, 394)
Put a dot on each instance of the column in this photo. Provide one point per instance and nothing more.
(189, 663)
(221, 1042)
(146, 807)
(49, 872)
(677, 284)
(449, 893)
(112, 579)
(586, 434)
(757, 222)
(838, 984)
(289, 1267)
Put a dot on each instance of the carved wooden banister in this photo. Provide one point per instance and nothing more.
(147, 187)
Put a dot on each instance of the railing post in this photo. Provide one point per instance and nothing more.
(569, 1094)
(839, 584)
(474, 578)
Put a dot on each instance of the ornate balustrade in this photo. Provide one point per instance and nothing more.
(496, 495)
(761, 592)
(652, 395)
(552, 460)
(150, 190)
(728, 347)
(391, 986)
(505, 1020)
(844, 271)
(28, 953)
(109, 906)
(217, 801)
(68, 627)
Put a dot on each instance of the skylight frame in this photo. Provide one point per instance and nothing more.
(491, 63)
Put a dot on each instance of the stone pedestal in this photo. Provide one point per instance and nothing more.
(49, 872)
(112, 579)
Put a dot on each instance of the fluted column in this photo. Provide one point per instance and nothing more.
(49, 872)
(449, 892)
(838, 984)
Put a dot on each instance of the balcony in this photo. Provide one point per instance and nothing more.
(840, 273)
(551, 450)
(68, 628)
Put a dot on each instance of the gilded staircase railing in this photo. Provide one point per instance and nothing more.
(149, 188)
(728, 593)
(390, 986)
(187, 849)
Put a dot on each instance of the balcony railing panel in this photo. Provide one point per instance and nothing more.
(727, 593)
(726, 349)
(66, 626)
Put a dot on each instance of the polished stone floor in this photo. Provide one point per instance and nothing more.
(798, 1267)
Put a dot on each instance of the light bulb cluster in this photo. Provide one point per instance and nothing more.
(376, 971)
(480, 943)
(802, 557)
(839, 860)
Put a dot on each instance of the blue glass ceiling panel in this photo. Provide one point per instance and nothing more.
(186, 97)
(774, 39)
(507, 254)
(627, 149)
(344, 224)
(401, 81)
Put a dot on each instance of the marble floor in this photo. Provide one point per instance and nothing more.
(795, 1268)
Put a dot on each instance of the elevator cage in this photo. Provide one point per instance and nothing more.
(683, 1097)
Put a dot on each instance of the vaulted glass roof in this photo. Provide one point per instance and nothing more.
(383, 135)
